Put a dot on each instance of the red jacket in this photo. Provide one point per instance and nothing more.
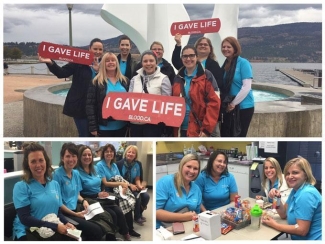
(205, 101)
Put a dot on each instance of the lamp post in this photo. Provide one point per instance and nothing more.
(70, 23)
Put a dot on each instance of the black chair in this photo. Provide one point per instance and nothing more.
(9, 217)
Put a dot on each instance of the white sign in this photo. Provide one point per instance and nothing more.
(271, 147)
(93, 209)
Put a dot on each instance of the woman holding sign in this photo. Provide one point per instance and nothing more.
(199, 89)
(108, 79)
(75, 102)
(149, 80)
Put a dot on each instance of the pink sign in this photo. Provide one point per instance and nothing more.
(196, 27)
(65, 53)
(144, 108)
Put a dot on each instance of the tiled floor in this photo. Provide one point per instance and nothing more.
(146, 229)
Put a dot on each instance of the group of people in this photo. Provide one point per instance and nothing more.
(68, 191)
(214, 187)
(219, 100)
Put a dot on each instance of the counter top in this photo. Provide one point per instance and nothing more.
(177, 161)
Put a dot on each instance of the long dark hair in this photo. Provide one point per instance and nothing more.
(27, 174)
(212, 157)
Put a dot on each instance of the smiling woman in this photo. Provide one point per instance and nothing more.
(178, 191)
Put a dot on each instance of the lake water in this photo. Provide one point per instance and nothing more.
(263, 72)
(259, 96)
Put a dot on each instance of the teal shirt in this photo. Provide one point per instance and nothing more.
(105, 172)
(43, 200)
(116, 124)
(70, 187)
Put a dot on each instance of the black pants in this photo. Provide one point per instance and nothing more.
(246, 116)
(90, 230)
(119, 218)
(146, 130)
(129, 220)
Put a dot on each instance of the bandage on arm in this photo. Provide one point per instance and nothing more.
(247, 85)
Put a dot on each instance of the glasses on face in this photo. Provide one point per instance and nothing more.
(203, 44)
(157, 49)
(109, 152)
(191, 56)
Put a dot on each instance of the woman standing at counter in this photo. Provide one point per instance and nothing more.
(217, 185)
(303, 209)
(177, 191)
(273, 180)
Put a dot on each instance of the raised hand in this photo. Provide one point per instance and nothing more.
(178, 39)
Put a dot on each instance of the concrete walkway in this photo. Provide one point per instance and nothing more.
(303, 78)
(13, 89)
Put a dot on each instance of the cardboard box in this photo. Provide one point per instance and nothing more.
(210, 225)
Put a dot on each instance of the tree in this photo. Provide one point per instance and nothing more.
(6, 52)
(16, 53)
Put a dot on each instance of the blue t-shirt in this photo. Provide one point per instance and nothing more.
(276, 186)
(135, 172)
(43, 200)
(243, 71)
(167, 197)
(91, 183)
(188, 80)
(216, 194)
(115, 124)
(123, 66)
(70, 188)
(203, 62)
(306, 204)
(105, 172)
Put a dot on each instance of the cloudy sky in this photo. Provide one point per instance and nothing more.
(50, 22)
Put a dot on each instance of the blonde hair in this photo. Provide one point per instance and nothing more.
(304, 165)
(211, 54)
(278, 171)
(101, 78)
(157, 43)
(129, 148)
(178, 179)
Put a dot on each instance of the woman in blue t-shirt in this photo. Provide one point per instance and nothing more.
(108, 79)
(237, 79)
(177, 192)
(303, 209)
(217, 185)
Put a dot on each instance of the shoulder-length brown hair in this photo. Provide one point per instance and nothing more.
(104, 148)
(211, 54)
(27, 174)
(91, 165)
(236, 46)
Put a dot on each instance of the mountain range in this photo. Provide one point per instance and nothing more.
(293, 43)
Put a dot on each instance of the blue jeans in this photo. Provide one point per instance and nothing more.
(140, 204)
(82, 127)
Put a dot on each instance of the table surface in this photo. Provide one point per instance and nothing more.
(247, 233)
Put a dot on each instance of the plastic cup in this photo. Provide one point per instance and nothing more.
(256, 213)
(260, 203)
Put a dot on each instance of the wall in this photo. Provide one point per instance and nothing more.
(145, 157)
(166, 147)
